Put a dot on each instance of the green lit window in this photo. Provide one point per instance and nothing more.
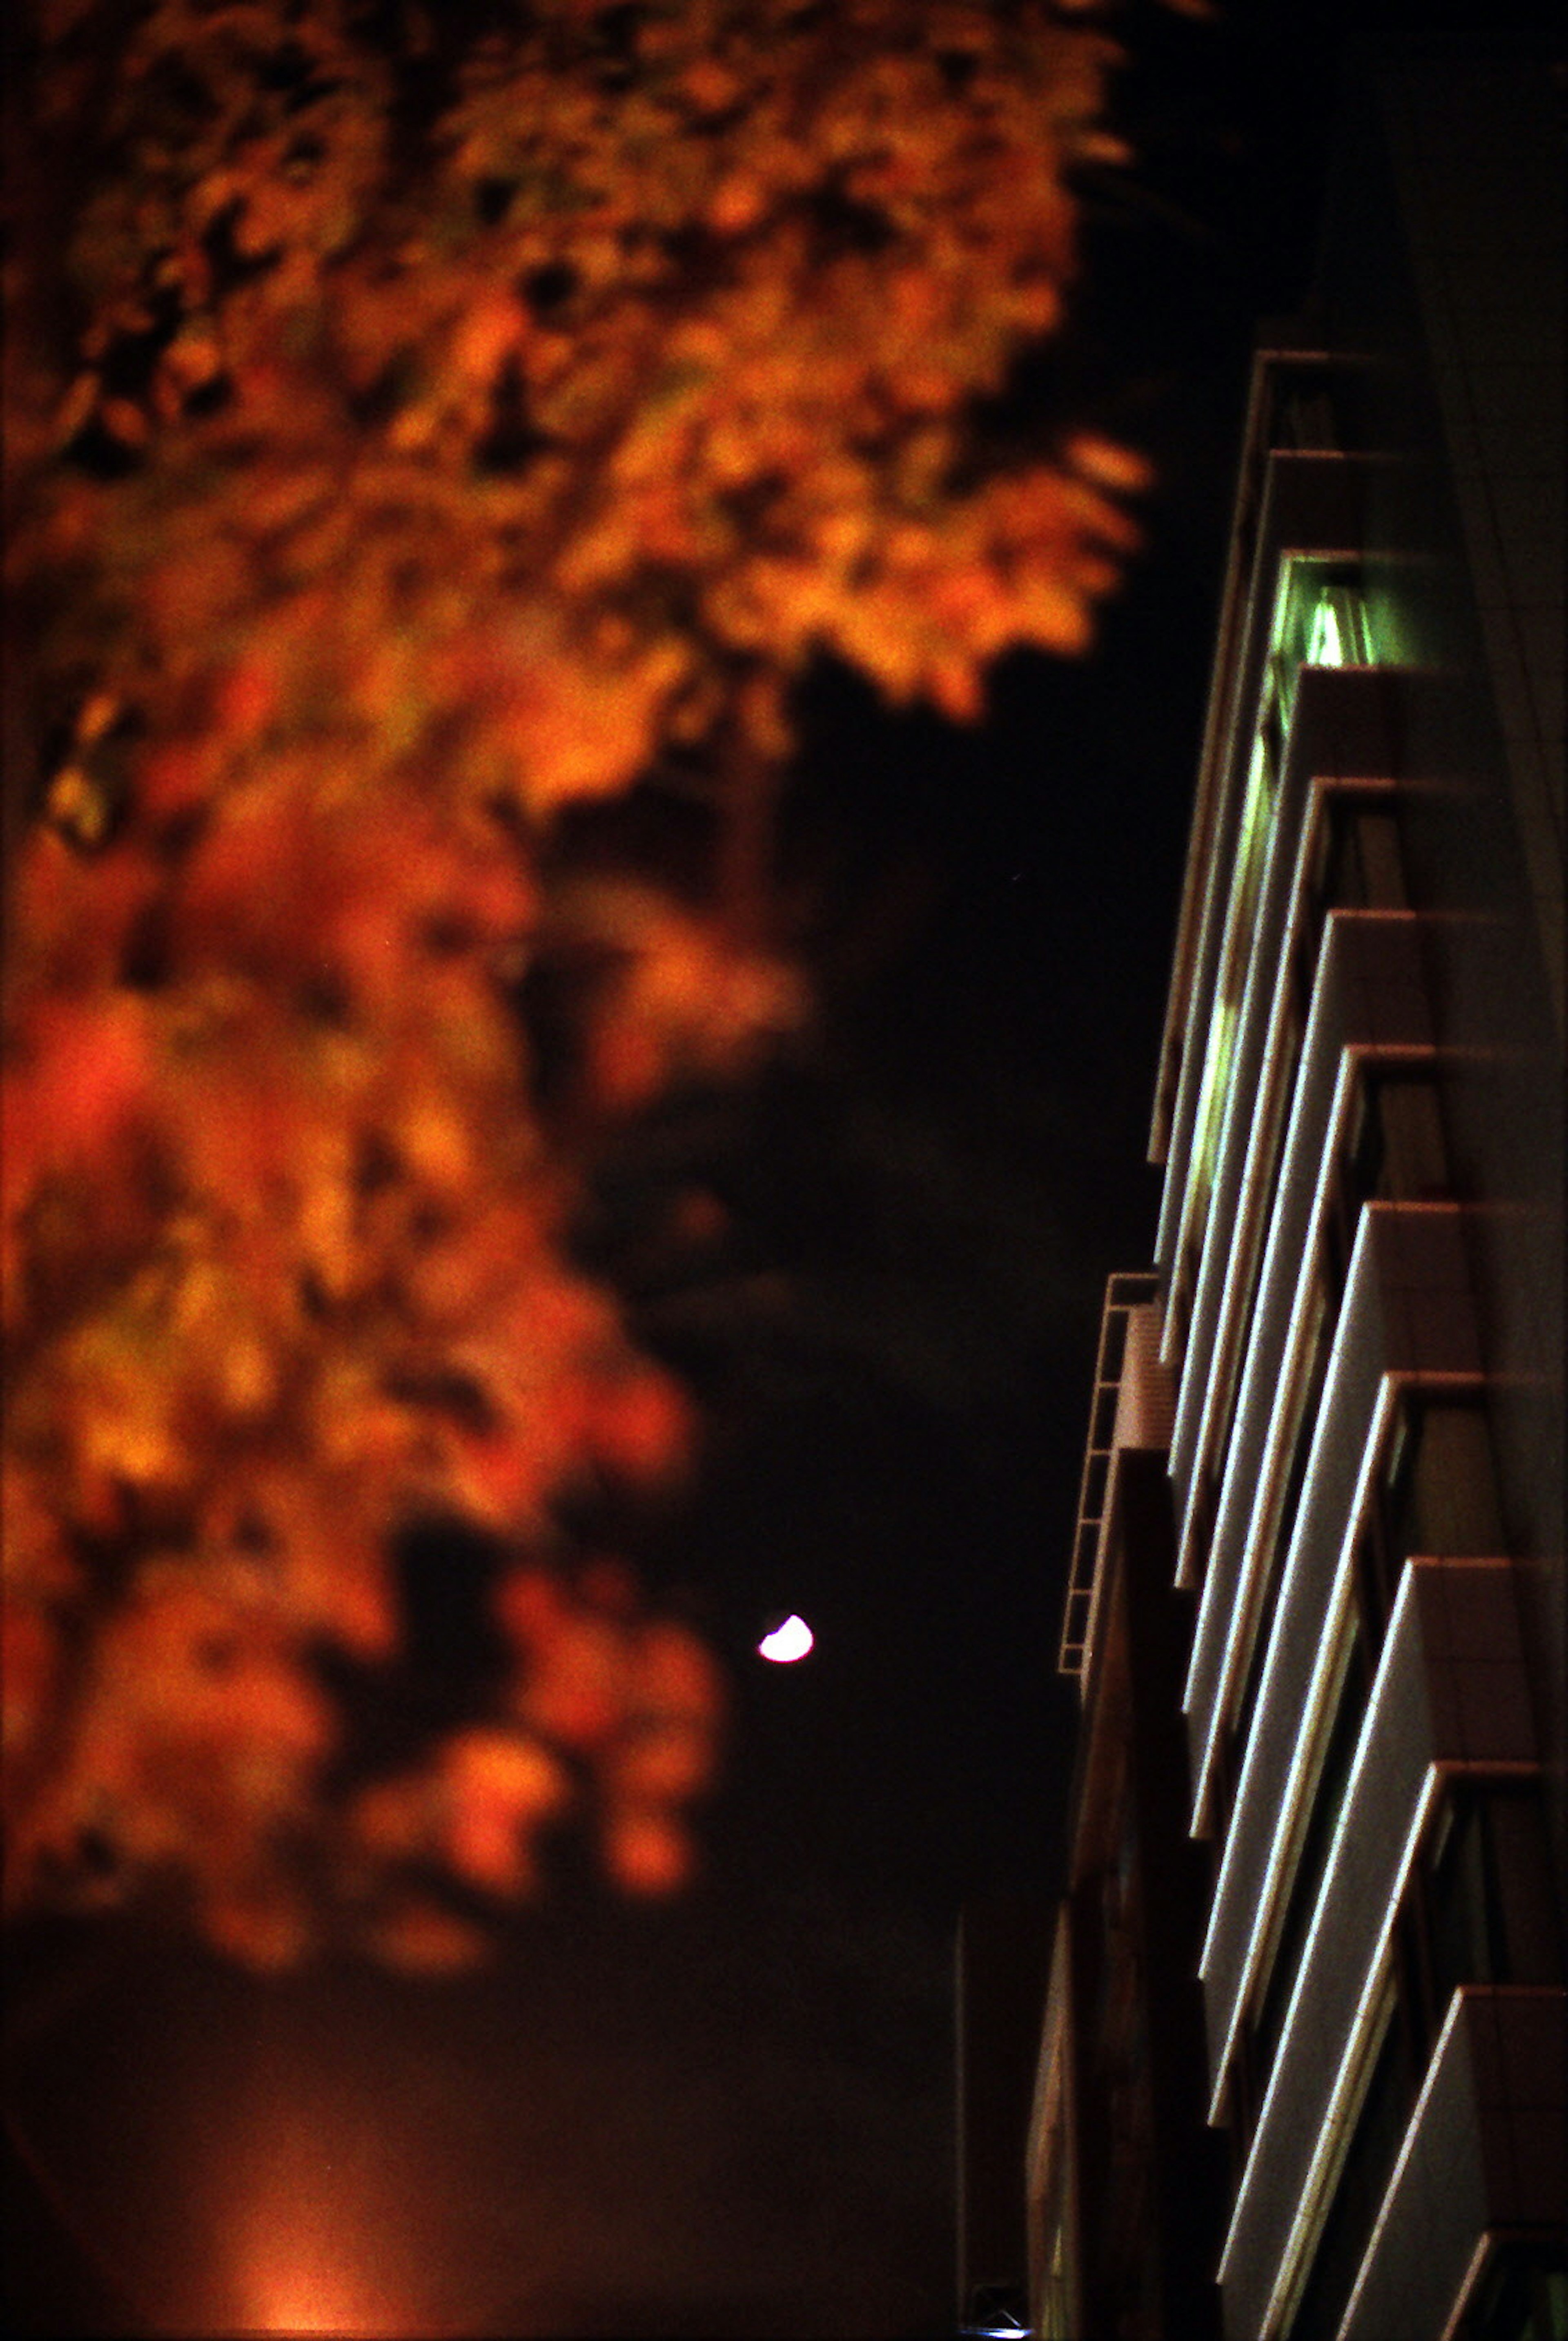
(1321, 619)
(1337, 633)
(1252, 851)
(1212, 1096)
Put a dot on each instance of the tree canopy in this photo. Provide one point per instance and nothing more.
(421, 426)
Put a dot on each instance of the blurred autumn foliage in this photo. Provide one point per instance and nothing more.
(420, 425)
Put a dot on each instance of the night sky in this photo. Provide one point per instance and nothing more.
(733, 2116)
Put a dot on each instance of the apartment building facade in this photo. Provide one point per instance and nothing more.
(1356, 1309)
(1125, 2182)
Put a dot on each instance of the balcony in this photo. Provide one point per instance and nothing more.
(1369, 1006)
(1484, 2170)
(1450, 1700)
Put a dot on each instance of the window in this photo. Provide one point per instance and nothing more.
(1306, 419)
(1211, 1098)
(1437, 1497)
(1487, 1891)
(1440, 1492)
(1339, 631)
(1362, 868)
(1394, 1149)
(1319, 620)
(1254, 831)
(1522, 2296)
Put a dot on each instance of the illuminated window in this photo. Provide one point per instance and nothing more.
(1215, 1089)
(1252, 851)
(1337, 631)
(1325, 643)
(1321, 619)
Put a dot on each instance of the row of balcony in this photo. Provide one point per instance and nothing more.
(1382, 1979)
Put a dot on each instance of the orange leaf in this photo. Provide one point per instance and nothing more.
(646, 1853)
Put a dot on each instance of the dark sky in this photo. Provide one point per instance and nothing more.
(733, 2116)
